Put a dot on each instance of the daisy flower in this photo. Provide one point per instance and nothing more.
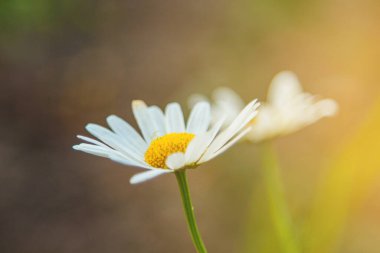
(167, 144)
(287, 110)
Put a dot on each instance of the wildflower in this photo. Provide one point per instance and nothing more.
(167, 144)
(287, 110)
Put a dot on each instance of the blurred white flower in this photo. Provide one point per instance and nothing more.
(287, 110)
(167, 145)
(226, 103)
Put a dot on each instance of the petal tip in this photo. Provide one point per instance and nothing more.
(330, 108)
(133, 181)
(90, 126)
(112, 116)
(138, 103)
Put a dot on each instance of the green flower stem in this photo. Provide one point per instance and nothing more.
(277, 203)
(189, 211)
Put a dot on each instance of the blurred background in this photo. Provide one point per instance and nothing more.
(64, 64)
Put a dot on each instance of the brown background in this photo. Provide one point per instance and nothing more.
(66, 63)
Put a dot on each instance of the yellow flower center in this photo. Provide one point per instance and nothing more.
(160, 148)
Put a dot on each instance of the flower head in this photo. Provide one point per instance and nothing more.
(167, 144)
(287, 110)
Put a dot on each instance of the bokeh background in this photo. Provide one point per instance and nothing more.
(66, 63)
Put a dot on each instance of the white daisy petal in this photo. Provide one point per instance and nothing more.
(114, 141)
(158, 119)
(104, 134)
(227, 146)
(122, 159)
(127, 133)
(217, 126)
(109, 153)
(246, 115)
(196, 147)
(142, 115)
(199, 119)
(93, 149)
(90, 140)
(174, 119)
(284, 87)
(201, 142)
(147, 175)
(327, 107)
(176, 161)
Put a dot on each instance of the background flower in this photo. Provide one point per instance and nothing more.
(288, 107)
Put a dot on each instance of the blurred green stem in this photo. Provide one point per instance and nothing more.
(189, 211)
(277, 203)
